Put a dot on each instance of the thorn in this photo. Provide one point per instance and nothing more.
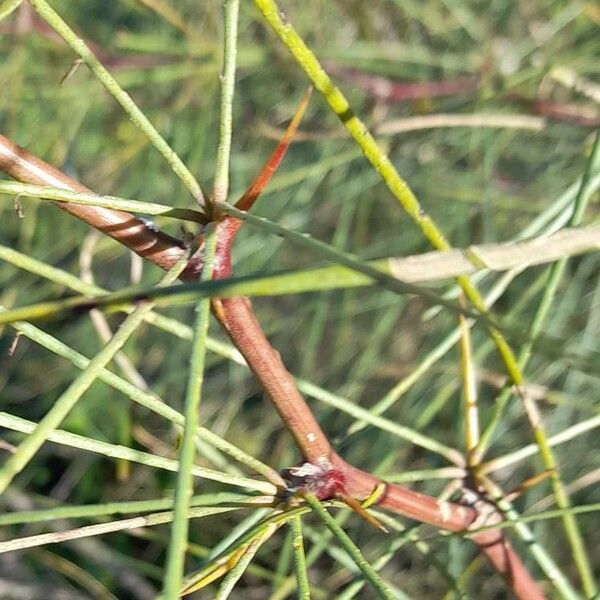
(219, 312)
(15, 342)
(359, 509)
(4, 445)
(529, 483)
(71, 71)
(272, 164)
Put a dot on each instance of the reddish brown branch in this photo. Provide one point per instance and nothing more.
(236, 316)
(156, 246)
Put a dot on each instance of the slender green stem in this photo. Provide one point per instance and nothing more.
(221, 184)
(401, 431)
(104, 528)
(238, 570)
(123, 98)
(90, 511)
(302, 582)
(582, 509)
(8, 7)
(26, 190)
(506, 460)
(470, 399)
(350, 547)
(183, 490)
(402, 386)
(67, 400)
(555, 272)
(349, 272)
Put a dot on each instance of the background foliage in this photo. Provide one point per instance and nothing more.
(482, 185)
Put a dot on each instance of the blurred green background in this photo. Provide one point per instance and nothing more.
(481, 184)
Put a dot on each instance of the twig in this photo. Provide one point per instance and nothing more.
(221, 185)
(184, 486)
(157, 247)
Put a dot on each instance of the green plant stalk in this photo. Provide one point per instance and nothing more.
(230, 539)
(123, 98)
(402, 386)
(8, 7)
(555, 274)
(238, 570)
(470, 399)
(78, 575)
(67, 400)
(104, 528)
(557, 513)
(357, 412)
(586, 188)
(251, 285)
(302, 583)
(426, 475)
(26, 190)
(284, 560)
(183, 489)
(80, 442)
(165, 11)
(565, 435)
(237, 543)
(380, 162)
(350, 547)
(580, 555)
(221, 184)
(550, 220)
(91, 511)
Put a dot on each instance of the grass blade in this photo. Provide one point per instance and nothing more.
(302, 582)
(183, 489)
(371, 575)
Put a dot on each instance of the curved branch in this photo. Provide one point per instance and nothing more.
(157, 247)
